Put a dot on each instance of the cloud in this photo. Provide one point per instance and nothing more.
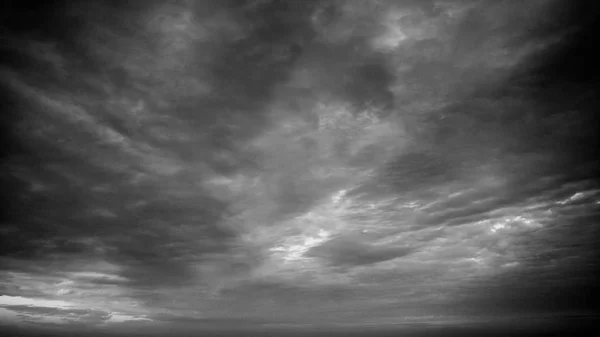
(19, 301)
(57, 311)
(56, 314)
(348, 252)
(84, 317)
(208, 163)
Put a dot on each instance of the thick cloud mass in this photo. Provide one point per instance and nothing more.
(209, 164)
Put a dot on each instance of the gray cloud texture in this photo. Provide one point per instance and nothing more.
(259, 162)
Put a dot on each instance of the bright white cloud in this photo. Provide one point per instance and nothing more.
(36, 302)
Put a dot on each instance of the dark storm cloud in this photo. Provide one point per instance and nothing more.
(536, 289)
(554, 269)
(207, 163)
(348, 252)
(149, 235)
(84, 188)
(369, 86)
(417, 171)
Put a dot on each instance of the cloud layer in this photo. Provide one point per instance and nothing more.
(284, 162)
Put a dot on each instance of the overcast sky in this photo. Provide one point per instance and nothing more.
(216, 164)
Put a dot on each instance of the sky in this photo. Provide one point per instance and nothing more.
(190, 165)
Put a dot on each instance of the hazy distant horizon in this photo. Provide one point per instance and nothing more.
(572, 327)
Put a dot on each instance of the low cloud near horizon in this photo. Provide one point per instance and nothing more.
(255, 163)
